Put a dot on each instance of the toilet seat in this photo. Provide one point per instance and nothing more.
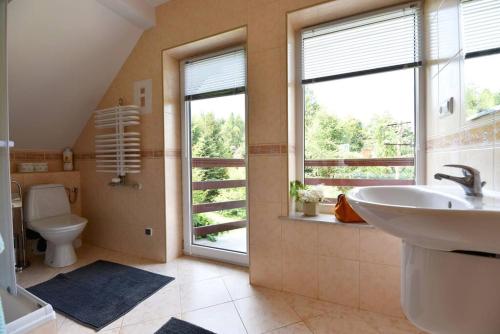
(63, 223)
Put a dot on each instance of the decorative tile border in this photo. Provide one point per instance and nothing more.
(84, 156)
(481, 135)
(262, 149)
(173, 153)
(146, 154)
(257, 149)
(33, 155)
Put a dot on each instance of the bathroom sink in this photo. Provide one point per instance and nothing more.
(440, 218)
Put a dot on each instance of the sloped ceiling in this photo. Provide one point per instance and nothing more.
(62, 56)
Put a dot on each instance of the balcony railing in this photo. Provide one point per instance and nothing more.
(380, 162)
(228, 184)
(218, 184)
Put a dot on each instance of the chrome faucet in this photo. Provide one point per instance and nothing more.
(471, 181)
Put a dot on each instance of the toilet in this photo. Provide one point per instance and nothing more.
(47, 211)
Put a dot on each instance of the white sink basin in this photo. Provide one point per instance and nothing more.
(440, 218)
(442, 292)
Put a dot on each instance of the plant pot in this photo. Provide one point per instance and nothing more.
(310, 209)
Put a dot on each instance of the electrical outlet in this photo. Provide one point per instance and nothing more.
(148, 231)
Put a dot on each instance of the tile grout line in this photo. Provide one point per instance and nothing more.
(239, 315)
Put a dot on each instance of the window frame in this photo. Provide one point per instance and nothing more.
(463, 58)
(419, 102)
(190, 248)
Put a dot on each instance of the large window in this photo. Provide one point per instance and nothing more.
(360, 98)
(215, 155)
(481, 44)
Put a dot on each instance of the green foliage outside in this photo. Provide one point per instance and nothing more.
(480, 100)
(213, 137)
(328, 136)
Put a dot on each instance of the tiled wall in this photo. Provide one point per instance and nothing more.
(351, 265)
(68, 179)
(118, 215)
(454, 139)
(353, 268)
(52, 158)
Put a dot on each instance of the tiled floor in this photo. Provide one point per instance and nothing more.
(218, 297)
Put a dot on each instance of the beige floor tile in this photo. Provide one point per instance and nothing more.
(60, 319)
(231, 269)
(163, 304)
(168, 269)
(193, 269)
(307, 307)
(239, 286)
(69, 326)
(387, 324)
(265, 311)
(205, 298)
(298, 328)
(339, 322)
(114, 325)
(145, 327)
(72, 327)
(202, 294)
(221, 319)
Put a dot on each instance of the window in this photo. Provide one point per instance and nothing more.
(214, 156)
(481, 45)
(359, 83)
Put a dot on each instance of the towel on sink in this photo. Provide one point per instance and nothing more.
(344, 212)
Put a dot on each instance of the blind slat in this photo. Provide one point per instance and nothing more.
(481, 25)
(380, 41)
(222, 73)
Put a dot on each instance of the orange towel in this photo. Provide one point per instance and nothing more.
(344, 212)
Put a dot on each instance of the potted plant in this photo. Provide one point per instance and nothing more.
(295, 186)
(310, 197)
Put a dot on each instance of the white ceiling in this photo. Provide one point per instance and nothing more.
(63, 55)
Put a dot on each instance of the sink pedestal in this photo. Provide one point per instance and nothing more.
(450, 293)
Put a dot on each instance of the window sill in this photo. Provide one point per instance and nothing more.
(322, 218)
(482, 114)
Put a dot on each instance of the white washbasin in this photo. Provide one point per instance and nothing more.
(440, 218)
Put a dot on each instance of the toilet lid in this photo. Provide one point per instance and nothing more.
(57, 223)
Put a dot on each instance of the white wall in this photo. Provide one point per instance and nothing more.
(62, 57)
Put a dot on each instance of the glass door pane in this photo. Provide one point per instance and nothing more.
(218, 173)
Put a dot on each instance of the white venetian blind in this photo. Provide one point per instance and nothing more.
(223, 74)
(379, 42)
(481, 27)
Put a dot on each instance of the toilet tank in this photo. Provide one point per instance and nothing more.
(46, 200)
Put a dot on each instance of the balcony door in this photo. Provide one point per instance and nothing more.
(214, 156)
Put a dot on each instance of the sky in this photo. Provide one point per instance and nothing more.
(357, 97)
(361, 97)
(483, 72)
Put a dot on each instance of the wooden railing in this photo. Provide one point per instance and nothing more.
(381, 162)
(387, 162)
(228, 184)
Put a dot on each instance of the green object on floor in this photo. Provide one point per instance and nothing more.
(2, 319)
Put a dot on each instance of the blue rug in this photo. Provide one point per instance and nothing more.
(99, 293)
(176, 326)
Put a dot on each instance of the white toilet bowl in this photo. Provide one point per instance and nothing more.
(47, 212)
(59, 231)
